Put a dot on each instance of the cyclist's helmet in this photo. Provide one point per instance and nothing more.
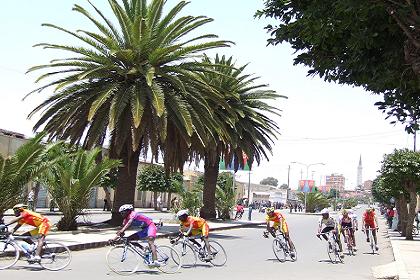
(345, 212)
(125, 208)
(20, 207)
(182, 214)
(269, 210)
(325, 211)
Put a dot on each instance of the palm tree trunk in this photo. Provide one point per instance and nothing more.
(155, 204)
(125, 191)
(211, 171)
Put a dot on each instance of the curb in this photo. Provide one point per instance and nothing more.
(99, 244)
(401, 269)
(310, 214)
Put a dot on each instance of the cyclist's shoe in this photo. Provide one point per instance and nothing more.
(292, 254)
(376, 247)
(155, 264)
(35, 259)
(367, 240)
(354, 248)
(208, 258)
(342, 255)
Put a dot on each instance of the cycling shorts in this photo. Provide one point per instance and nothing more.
(149, 231)
(284, 228)
(42, 229)
(203, 231)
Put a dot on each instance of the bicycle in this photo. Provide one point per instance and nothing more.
(371, 239)
(332, 248)
(281, 247)
(126, 257)
(349, 239)
(54, 255)
(239, 215)
(191, 250)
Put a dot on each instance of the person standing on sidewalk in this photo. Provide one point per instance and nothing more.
(31, 197)
(390, 216)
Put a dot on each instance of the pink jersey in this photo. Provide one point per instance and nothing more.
(139, 220)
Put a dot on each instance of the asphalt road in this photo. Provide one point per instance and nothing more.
(249, 257)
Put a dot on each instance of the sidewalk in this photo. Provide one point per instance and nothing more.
(406, 254)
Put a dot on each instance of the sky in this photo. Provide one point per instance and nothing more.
(320, 122)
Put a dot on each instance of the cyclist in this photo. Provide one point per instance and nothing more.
(148, 229)
(274, 219)
(370, 222)
(345, 220)
(26, 217)
(193, 226)
(239, 211)
(329, 224)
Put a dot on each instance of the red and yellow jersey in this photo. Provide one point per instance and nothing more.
(276, 217)
(369, 217)
(32, 218)
(197, 222)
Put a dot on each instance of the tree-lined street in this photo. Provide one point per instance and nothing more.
(249, 255)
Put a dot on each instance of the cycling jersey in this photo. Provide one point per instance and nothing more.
(199, 225)
(148, 228)
(276, 219)
(329, 222)
(34, 219)
(369, 219)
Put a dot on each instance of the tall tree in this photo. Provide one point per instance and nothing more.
(351, 42)
(132, 79)
(401, 170)
(245, 132)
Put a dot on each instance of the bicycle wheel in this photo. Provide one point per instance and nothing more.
(187, 254)
(169, 259)
(372, 243)
(218, 253)
(55, 256)
(9, 254)
(278, 250)
(122, 260)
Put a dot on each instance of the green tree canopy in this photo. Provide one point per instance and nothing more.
(269, 181)
(400, 176)
(28, 162)
(350, 42)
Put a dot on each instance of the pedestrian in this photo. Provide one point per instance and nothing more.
(390, 216)
(106, 205)
(296, 207)
(290, 208)
(52, 205)
(31, 197)
(249, 213)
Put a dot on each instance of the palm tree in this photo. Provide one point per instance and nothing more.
(133, 81)
(243, 126)
(70, 181)
(17, 170)
(314, 201)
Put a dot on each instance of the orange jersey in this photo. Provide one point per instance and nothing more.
(277, 217)
(195, 221)
(32, 218)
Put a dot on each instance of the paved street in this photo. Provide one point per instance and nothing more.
(249, 255)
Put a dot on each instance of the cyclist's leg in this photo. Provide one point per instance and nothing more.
(285, 230)
(42, 231)
(367, 232)
(373, 229)
(151, 235)
(324, 232)
(205, 235)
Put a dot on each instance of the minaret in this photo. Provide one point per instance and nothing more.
(359, 173)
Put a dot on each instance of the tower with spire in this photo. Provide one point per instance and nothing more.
(359, 174)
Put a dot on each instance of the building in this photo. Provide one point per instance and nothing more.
(263, 193)
(360, 173)
(367, 186)
(335, 181)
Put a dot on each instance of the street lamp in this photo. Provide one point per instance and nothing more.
(307, 172)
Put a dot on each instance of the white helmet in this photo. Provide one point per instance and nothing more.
(182, 213)
(126, 207)
(350, 211)
(325, 211)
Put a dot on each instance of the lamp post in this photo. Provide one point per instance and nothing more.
(307, 172)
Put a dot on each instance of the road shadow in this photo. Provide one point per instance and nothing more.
(273, 260)
(223, 236)
(329, 262)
